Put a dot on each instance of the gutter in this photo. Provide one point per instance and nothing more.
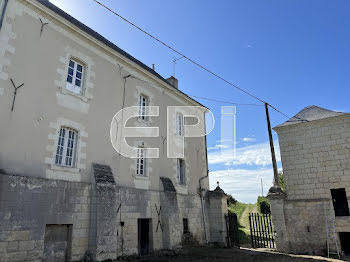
(3, 12)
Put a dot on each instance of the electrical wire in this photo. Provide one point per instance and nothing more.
(200, 97)
(224, 102)
(191, 60)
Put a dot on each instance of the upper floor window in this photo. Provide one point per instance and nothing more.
(66, 147)
(143, 103)
(181, 178)
(141, 162)
(75, 77)
(179, 125)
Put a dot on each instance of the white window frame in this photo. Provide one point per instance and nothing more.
(66, 147)
(181, 171)
(179, 124)
(74, 77)
(143, 103)
(141, 162)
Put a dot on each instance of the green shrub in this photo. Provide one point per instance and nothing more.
(264, 205)
(231, 200)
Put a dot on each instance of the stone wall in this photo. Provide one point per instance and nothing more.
(315, 158)
(217, 209)
(28, 205)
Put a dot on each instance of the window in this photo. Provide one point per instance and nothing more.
(179, 125)
(75, 77)
(141, 162)
(143, 103)
(185, 225)
(340, 202)
(66, 147)
(181, 172)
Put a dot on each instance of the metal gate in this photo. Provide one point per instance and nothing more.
(232, 238)
(262, 233)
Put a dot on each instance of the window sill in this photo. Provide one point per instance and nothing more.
(64, 169)
(142, 177)
(182, 185)
(83, 98)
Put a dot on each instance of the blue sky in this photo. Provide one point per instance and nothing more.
(291, 53)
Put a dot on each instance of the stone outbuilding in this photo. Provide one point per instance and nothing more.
(315, 153)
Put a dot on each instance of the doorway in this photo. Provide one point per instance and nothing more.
(57, 243)
(145, 236)
(345, 242)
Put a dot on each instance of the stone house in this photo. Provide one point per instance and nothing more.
(315, 153)
(65, 193)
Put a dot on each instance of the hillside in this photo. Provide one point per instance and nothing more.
(242, 211)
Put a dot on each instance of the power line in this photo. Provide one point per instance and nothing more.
(224, 102)
(189, 59)
(200, 97)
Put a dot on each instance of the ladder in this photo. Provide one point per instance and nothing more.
(328, 234)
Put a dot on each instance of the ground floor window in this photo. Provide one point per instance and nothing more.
(66, 147)
(181, 177)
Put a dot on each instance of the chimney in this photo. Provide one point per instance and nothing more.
(173, 81)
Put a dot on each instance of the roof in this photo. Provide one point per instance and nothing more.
(167, 184)
(105, 41)
(311, 113)
(103, 174)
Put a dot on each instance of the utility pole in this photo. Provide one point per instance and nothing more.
(262, 188)
(273, 156)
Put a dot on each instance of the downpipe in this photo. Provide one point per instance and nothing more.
(3, 10)
(202, 206)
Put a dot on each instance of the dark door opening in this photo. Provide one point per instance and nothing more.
(185, 225)
(340, 202)
(345, 242)
(57, 243)
(145, 234)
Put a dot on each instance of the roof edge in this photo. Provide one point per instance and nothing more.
(45, 4)
(281, 126)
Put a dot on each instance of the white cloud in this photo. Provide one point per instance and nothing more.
(242, 184)
(248, 139)
(217, 147)
(258, 154)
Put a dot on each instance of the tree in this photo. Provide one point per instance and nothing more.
(264, 205)
(281, 180)
(231, 200)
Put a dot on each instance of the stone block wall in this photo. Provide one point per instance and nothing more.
(93, 216)
(27, 205)
(316, 159)
(217, 208)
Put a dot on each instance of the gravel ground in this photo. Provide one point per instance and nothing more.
(198, 254)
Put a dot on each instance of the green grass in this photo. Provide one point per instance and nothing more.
(238, 208)
(242, 211)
